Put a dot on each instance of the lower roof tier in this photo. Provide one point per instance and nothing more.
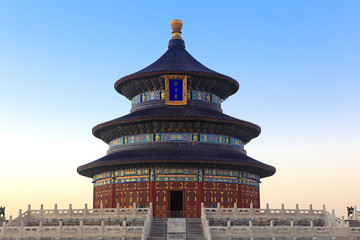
(162, 154)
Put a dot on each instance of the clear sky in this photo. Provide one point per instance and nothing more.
(297, 62)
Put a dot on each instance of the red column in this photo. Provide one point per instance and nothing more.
(239, 196)
(112, 196)
(258, 196)
(152, 196)
(200, 194)
(94, 198)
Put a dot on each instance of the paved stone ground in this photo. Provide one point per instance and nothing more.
(176, 228)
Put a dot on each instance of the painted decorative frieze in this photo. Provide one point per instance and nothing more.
(171, 137)
(176, 175)
(191, 95)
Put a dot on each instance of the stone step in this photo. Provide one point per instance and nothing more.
(158, 232)
(194, 229)
(158, 229)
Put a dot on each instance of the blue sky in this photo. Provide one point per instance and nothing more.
(297, 63)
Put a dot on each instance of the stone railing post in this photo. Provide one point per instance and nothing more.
(40, 229)
(271, 228)
(356, 214)
(347, 230)
(333, 217)
(208, 230)
(102, 229)
(22, 228)
(283, 212)
(147, 224)
(86, 211)
(55, 211)
(151, 209)
(118, 209)
(41, 211)
(251, 229)
(3, 229)
(228, 229)
(70, 211)
(312, 227)
(218, 210)
(235, 210)
(267, 211)
(134, 209)
(251, 211)
(311, 209)
(81, 230)
(330, 224)
(297, 211)
(292, 229)
(123, 230)
(20, 215)
(143, 235)
(60, 228)
(102, 210)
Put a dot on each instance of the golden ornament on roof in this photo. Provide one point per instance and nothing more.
(176, 26)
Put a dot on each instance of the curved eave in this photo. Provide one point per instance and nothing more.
(170, 156)
(97, 129)
(122, 81)
(180, 113)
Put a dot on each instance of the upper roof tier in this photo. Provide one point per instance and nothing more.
(176, 60)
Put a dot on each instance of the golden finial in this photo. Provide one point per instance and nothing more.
(176, 26)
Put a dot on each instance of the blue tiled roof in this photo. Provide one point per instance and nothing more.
(181, 113)
(176, 60)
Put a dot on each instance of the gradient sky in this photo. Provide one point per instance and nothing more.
(297, 62)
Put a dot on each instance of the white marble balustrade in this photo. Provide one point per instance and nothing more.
(222, 224)
(43, 223)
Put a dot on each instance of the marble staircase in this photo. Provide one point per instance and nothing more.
(194, 230)
(158, 229)
(176, 229)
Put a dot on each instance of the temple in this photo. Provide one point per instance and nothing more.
(177, 169)
(176, 148)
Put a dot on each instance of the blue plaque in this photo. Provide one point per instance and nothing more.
(175, 89)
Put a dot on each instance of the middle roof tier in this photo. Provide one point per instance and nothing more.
(176, 119)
